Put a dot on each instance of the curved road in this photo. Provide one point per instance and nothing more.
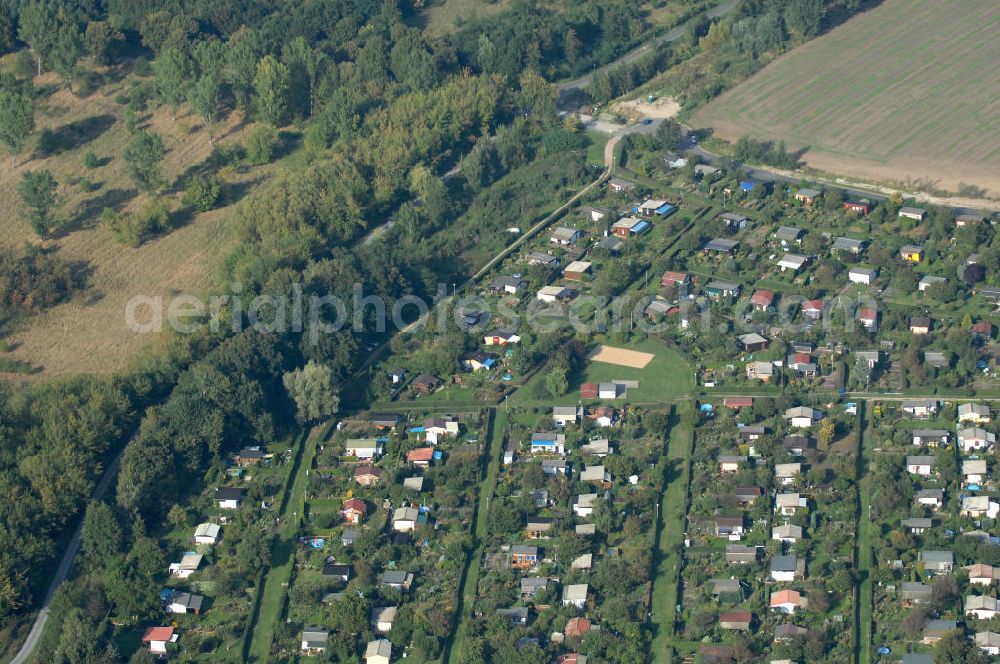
(638, 52)
(28, 647)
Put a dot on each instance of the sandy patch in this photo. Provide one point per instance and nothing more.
(662, 108)
(620, 356)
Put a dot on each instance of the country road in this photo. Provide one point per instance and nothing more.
(765, 174)
(638, 52)
(30, 643)
(762, 173)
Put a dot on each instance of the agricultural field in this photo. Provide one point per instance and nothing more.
(872, 100)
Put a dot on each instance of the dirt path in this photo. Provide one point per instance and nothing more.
(660, 109)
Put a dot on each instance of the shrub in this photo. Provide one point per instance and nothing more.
(35, 280)
(85, 83)
(261, 141)
(560, 140)
(203, 192)
(142, 67)
(134, 229)
(91, 160)
(24, 65)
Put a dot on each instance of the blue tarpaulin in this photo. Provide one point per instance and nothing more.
(747, 185)
(640, 227)
(665, 209)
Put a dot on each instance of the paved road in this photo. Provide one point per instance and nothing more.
(636, 53)
(30, 643)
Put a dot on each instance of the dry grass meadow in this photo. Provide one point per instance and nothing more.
(905, 92)
(88, 334)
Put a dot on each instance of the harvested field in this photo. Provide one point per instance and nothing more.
(620, 356)
(904, 93)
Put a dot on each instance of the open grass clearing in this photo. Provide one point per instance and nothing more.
(903, 92)
(89, 334)
(595, 148)
(666, 378)
(443, 17)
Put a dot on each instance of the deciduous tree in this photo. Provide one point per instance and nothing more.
(270, 85)
(173, 69)
(38, 196)
(313, 389)
(143, 156)
(204, 99)
(17, 122)
(102, 536)
(98, 40)
(38, 29)
(242, 52)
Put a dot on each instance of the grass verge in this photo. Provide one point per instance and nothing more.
(470, 577)
(864, 543)
(670, 539)
(282, 552)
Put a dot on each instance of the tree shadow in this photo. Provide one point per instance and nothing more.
(73, 135)
(89, 214)
(235, 192)
(288, 142)
(179, 218)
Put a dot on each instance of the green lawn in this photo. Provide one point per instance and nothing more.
(470, 578)
(595, 148)
(666, 378)
(670, 540)
(865, 528)
(283, 553)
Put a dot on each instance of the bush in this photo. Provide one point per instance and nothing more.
(203, 192)
(91, 160)
(226, 156)
(35, 280)
(560, 140)
(85, 83)
(142, 67)
(261, 141)
(134, 229)
(86, 186)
